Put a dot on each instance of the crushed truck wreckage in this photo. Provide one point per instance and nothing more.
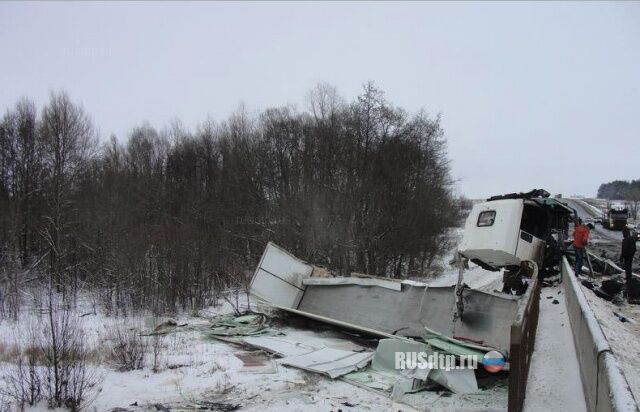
(408, 314)
(517, 233)
(382, 307)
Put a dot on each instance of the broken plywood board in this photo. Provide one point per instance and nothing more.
(255, 362)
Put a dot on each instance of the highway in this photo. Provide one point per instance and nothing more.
(584, 211)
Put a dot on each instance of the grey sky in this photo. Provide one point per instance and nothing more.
(531, 95)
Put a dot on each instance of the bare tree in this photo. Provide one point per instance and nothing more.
(169, 219)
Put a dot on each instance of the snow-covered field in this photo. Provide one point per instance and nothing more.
(192, 368)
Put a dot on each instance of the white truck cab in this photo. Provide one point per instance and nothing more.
(506, 230)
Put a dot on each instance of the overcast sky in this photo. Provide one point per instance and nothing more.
(531, 95)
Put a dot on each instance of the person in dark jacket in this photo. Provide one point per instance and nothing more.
(626, 255)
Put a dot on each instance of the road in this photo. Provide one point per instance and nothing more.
(585, 211)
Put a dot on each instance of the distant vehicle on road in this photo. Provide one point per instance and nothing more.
(614, 217)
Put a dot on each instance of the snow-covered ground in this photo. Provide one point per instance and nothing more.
(624, 337)
(194, 368)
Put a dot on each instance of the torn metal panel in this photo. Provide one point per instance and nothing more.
(329, 361)
(459, 348)
(385, 356)
(279, 345)
(376, 305)
(397, 286)
(456, 380)
(455, 349)
(406, 380)
(336, 322)
(389, 311)
(383, 375)
(372, 379)
(278, 277)
(487, 318)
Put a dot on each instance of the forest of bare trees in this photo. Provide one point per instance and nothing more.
(165, 219)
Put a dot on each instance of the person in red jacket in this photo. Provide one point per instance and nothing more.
(580, 240)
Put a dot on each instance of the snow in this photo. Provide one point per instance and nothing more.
(623, 337)
(475, 277)
(554, 375)
(194, 368)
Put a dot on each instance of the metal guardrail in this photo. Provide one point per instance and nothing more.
(523, 336)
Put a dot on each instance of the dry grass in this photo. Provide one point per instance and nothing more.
(9, 352)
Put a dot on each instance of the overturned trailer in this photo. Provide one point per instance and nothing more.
(383, 307)
(503, 232)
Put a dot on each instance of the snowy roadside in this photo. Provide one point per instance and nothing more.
(622, 336)
(193, 369)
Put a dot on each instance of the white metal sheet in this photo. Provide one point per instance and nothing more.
(329, 361)
(278, 277)
(397, 286)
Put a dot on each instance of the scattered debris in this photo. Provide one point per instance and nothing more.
(455, 346)
(279, 345)
(162, 328)
(413, 310)
(249, 324)
(255, 362)
(330, 362)
(612, 286)
(383, 375)
(164, 325)
(216, 406)
(457, 380)
(624, 318)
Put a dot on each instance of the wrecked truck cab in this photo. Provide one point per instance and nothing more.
(504, 231)
(493, 237)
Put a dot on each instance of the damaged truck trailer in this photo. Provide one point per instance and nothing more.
(511, 232)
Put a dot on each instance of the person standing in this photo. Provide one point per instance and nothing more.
(627, 251)
(580, 240)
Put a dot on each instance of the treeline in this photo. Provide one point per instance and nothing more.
(171, 217)
(620, 190)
